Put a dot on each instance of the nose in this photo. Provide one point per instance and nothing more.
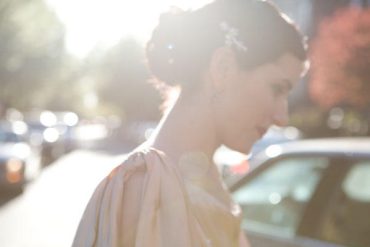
(280, 115)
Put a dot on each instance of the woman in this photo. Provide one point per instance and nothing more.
(235, 62)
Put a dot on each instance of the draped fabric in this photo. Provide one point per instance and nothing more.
(148, 201)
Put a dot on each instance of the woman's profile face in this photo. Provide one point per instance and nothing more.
(254, 100)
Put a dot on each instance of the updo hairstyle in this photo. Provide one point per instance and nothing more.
(183, 42)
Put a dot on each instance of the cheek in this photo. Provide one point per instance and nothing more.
(241, 106)
(243, 112)
(253, 100)
(261, 100)
(238, 114)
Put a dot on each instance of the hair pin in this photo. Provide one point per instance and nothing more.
(231, 36)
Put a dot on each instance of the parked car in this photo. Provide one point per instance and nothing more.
(19, 161)
(53, 132)
(311, 193)
(233, 164)
(275, 135)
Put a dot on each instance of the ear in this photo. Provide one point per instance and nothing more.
(223, 68)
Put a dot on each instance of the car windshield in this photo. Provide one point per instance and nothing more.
(274, 200)
(346, 218)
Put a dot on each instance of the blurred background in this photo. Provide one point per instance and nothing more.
(75, 98)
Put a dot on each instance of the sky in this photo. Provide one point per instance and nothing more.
(92, 23)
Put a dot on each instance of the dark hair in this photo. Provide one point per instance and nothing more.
(182, 44)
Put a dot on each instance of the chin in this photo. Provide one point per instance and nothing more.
(244, 148)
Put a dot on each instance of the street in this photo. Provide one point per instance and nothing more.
(47, 213)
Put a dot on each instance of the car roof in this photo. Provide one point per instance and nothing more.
(334, 145)
(357, 147)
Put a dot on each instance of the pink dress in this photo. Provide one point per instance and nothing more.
(148, 201)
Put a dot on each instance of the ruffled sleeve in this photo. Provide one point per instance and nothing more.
(142, 203)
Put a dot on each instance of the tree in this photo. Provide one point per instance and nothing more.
(122, 81)
(31, 52)
(340, 60)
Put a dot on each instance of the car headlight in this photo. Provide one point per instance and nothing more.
(14, 170)
(13, 165)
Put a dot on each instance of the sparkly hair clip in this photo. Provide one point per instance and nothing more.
(231, 36)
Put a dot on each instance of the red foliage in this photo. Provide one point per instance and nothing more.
(340, 59)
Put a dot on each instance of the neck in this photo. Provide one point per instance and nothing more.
(186, 128)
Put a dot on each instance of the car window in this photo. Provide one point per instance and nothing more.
(274, 200)
(347, 220)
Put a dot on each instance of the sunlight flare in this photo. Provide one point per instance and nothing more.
(102, 23)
